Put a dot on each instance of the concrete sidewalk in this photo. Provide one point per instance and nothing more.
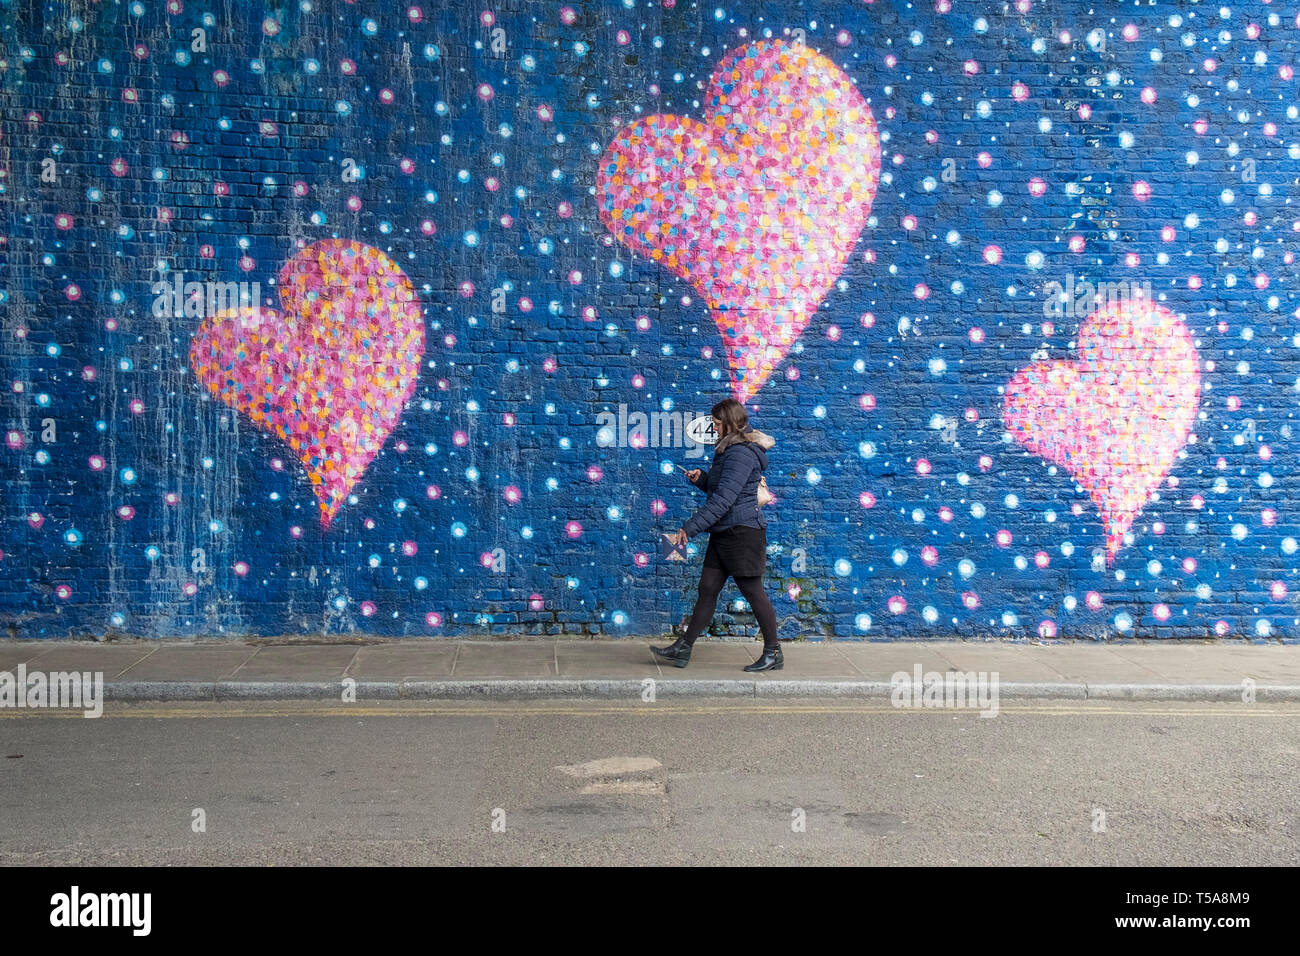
(617, 669)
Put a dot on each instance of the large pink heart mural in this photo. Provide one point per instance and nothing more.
(1117, 417)
(333, 372)
(757, 205)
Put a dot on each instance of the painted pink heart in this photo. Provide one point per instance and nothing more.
(758, 204)
(1117, 417)
(331, 374)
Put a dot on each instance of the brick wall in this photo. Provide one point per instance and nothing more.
(1012, 286)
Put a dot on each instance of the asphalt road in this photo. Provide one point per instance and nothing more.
(568, 783)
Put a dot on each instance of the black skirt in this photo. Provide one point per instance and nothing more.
(739, 551)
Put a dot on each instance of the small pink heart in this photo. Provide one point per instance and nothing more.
(1117, 417)
(332, 374)
(759, 204)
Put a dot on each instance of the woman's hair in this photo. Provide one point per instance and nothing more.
(733, 416)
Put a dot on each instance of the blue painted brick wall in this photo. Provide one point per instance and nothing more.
(1020, 145)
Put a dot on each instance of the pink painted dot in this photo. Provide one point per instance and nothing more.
(1277, 590)
(976, 335)
(1093, 601)
(241, 568)
(945, 514)
(866, 320)
(1189, 565)
(867, 402)
(984, 159)
(1019, 92)
(460, 439)
(512, 494)
(1160, 612)
(985, 462)
(897, 604)
(929, 555)
(970, 600)
(1142, 190)
(657, 507)
(535, 602)
(368, 608)
(594, 473)
(433, 619)
(126, 512)
(63, 591)
(867, 499)
(1003, 538)
(433, 492)
(1047, 629)
(992, 254)
(923, 466)
(573, 529)
(96, 462)
(641, 559)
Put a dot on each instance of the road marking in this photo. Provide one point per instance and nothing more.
(610, 767)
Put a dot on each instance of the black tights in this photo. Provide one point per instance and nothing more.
(711, 582)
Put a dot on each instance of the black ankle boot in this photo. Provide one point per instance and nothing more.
(772, 660)
(678, 653)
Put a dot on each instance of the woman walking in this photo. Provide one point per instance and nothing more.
(737, 533)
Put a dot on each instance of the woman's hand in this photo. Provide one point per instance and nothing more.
(678, 538)
(694, 475)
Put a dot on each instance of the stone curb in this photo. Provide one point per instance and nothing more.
(623, 689)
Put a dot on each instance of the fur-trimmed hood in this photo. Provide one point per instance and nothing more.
(752, 436)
